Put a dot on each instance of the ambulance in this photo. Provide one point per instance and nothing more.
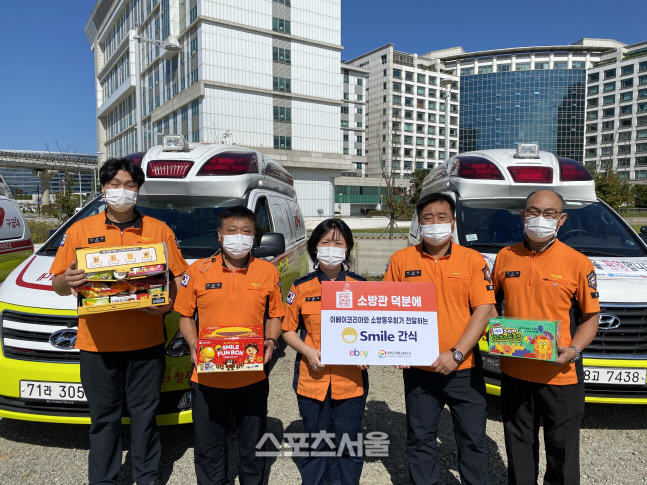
(15, 238)
(187, 186)
(490, 188)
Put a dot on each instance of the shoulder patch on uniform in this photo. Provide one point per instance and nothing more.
(356, 276)
(592, 280)
(388, 263)
(185, 280)
(279, 282)
(305, 278)
(63, 240)
(290, 297)
(487, 274)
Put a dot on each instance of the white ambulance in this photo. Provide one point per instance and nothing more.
(15, 238)
(490, 188)
(187, 186)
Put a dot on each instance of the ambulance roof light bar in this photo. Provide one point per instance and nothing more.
(572, 171)
(527, 150)
(175, 143)
(473, 167)
(230, 163)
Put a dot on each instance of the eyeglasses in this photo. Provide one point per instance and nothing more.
(547, 214)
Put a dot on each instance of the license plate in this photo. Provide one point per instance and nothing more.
(615, 375)
(52, 391)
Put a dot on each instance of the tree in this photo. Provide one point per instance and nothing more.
(640, 195)
(611, 189)
(417, 178)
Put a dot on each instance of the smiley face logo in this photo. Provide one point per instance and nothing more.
(349, 335)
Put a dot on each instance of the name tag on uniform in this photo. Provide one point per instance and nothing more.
(512, 274)
(409, 274)
(95, 240)
(213, 286)
(313, 298)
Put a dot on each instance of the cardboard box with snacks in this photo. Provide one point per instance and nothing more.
(224, 349)
(528, 339)
(123, 278)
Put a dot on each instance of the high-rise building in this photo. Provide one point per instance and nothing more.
(412, 112)
(257, 73)
(524, 94)
(616, 113)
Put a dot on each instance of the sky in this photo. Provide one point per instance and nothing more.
(47, 90)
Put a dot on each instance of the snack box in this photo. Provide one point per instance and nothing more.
(123, 278)
(528, 339)
(230, 349)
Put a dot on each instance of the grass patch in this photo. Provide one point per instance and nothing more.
(40, 230)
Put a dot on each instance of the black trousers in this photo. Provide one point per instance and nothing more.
(109, 380)
(211, 407)
(340, 417)
(523, 404)
(426, 393)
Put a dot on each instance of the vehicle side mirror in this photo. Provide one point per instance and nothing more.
(643, 230)
(272, 244)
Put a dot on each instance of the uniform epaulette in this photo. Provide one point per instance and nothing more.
(356, 275)
(305, 278)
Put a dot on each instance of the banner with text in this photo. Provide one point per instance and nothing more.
(378, 323)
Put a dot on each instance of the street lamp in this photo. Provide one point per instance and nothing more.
(446, 83)
(168, 46)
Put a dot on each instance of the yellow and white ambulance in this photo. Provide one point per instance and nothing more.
(187, 186)
(490, 188)
(15, 238)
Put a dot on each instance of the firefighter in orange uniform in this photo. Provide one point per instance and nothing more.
(465, 298)
(331, 398)
(229, 289)
(122, 353)
(544, 279)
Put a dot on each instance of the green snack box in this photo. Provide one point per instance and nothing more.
(528, 339)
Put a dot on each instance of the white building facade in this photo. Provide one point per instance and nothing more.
(616, 113)
(412, 112)
(257, 73)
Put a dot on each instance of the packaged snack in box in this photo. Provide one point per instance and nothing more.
(528, 339)
(226, 349)
(123, 278)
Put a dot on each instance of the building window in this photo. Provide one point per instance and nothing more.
(397, 73)
(421, 78)
(285, 114)
(408, 127)
(593, 90)
(590, 152)
(523, 66)
(608, 112)
(467, 71)
(420, 129)
(346, 79)
(609, 87)
(283, 2)
(359, 124)
(282, 84)
(408, 101)
(578, 64)
(594, 77)
(607, 125)
(592, 103)
(607, 138)
(408, 88)
(624, 149)
(344, 123)
(420, 91)
(384, 59)
(280, 25)
(344, 110)
(283, 56)
(345, 136)
(626, 70)
(420, 141)
(609, 74)
(359, 152)
(609, 99)
(592, 115)
(345, 151)
(346, 96)
(408, 76)
(195, 136)
(397, 87)
(541, 65)
(359, 138)
(641, 147)
(592, 128)
(504, 67)
(408, 140)
(642, 93)
(485, 69)
(626, 135)
(625, 110)
(626, 83)
(360, 81)
(560, 65)
(359, 111)
(432, 93)
(283, 143)
(408, 114)
(642, 107)
(628, 96)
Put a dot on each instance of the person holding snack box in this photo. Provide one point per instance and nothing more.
(331, 398)
(465, 300)
(544, 279)
(122, 353)
(230, 289)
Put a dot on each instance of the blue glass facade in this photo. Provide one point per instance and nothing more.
(21, 178)
(499, 110)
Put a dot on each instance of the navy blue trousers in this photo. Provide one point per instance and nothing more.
(339, 417)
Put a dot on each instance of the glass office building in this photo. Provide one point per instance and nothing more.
(502, 109)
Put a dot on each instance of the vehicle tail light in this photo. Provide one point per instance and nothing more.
(136, 157)
(478, 168)
(173, 169)
(531, 175)
(572, 171)
(230, 163)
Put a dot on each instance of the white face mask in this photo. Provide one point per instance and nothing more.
(237, 245)
(120, 200)
(436, 234)
(330, 257)
(540, 229)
